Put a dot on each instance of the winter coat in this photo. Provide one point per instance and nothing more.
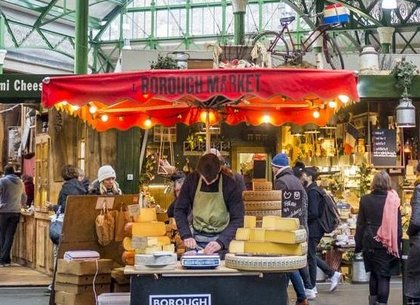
(97, 188)
(286, 180)
(12, 194)
(69, 187)
(316, 206)
(412, 280)
(232, 195)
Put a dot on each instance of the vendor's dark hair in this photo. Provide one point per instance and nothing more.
(9, 169)
(312, 172)
(69, 172)
(381, 181)
(209, 166)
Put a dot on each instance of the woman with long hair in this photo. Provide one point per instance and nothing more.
(378, 235)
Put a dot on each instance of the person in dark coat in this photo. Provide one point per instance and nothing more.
(71, 186)
(285, 180)
(215, 200)
(378, 235)
(316, 205)
(412, 273)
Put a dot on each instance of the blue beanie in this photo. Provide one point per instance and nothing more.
(280, 160)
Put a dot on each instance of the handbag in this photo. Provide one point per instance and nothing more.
(56, 227)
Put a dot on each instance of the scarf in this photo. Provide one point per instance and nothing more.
(387, 233)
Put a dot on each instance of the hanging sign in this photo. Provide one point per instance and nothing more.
(292, 204)
(20, 87)
(384, 147)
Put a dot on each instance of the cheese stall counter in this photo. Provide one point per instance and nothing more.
(218, 286)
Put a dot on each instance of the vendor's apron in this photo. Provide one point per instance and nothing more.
(210, 215)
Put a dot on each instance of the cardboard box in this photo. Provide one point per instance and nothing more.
(66, 298)
(79, 289)
(84, 267)
(82, 279)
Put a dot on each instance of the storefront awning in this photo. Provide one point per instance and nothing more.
(167, 97)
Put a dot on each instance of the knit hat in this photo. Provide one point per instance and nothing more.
(280, 160)
(106, 172)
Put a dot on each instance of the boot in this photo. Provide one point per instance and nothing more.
(372, 300)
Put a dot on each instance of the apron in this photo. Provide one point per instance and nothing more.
(210, 214)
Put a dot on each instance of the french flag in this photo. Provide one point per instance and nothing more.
(351, 138)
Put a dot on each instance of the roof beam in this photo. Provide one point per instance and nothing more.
(44, 13)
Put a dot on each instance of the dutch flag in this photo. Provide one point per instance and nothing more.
(351, 137)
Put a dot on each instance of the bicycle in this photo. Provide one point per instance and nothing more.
(279, 48)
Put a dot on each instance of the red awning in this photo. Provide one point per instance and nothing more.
(167, 97)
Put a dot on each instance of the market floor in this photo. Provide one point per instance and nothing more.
(346, 294)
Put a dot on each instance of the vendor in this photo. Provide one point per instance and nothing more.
(217, 207)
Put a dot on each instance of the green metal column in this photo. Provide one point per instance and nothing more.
(239, 9)
(2, 49)
(82, 47)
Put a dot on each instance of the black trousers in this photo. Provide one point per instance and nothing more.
(314, 261)
(8, 225)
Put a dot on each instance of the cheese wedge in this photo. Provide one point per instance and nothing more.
(269, 248)
(243, 233)
(250, 221)
(279, 223)
(149, 250)
(147, 229)
(257, 234)
(293, 237)
(168, 248)
(237, 246)
(163, 240)
(143, 242)
(147, 215)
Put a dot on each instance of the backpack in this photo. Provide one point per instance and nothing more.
(330, 217)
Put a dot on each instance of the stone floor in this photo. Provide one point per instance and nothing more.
(29, 288)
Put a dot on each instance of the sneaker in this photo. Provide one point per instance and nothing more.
(315, 290)
(5, 265)
(310, 294)
(335, 280)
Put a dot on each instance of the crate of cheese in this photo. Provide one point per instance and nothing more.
(278, 245)
(146, 240)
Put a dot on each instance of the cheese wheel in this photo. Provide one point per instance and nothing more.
(262, 186)
(263, 213)
(280, 223)
(262, 205)
(261, 195)
(262, 263)
(284, 237)
(127, 244)
(146, 229)
(128, 227)
(147, 215)
(128, 257)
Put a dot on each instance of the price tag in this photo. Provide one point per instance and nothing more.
(105, 202)
(133, 210)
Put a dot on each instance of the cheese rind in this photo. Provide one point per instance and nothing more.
(147, 229)
(280, 223)
(269, 248)
(147, 215)
(283, 237)
(243, 233)
(250, 221)
(148, 250)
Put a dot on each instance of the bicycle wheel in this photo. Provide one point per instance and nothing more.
(276, 45)
(332, 53)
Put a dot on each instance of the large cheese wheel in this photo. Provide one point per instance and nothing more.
(128, 257)
(261, 195)
(147, 215)
(127, 244)
(128, 229)
(146, 229)
(260, 214)
(262, 185)
(262, 263)
(262, 205)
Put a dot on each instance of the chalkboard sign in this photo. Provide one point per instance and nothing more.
(292, 204)
(384, 147)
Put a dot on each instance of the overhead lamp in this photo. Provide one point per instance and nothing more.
(104, 118)
(316, 114)
(405, 113)
(74, 107)
(389, 4)
(93, 109)
(344, 98)
(148, 123)
(266, 118)
(332, 104)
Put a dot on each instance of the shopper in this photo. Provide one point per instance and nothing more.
(177, 180)
(316, 205)
(412, 270)
(215, 200)
(105, 184)
(12, 198)
(378, 235)
(285, 180)
(71, 186)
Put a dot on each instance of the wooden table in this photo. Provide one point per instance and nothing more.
(219, 286)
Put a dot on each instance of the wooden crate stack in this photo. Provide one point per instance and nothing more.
(74, 281)
(262, 200)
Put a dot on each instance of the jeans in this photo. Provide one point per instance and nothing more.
(304, 274)
(8, 225)
(314, 261)
(298, 285)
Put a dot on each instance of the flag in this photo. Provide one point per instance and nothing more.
(350, 140)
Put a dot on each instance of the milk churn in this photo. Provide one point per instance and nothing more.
(369, 59)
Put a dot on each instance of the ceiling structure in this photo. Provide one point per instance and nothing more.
(49, 25)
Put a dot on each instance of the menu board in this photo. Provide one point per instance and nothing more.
(292, 204)
(384, 147)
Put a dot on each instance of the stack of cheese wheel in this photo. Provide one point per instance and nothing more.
(145, 236)
(278, 245)
(262, 200)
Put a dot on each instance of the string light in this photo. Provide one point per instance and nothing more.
(344, 98)
(266, 118)
(332, 104)
(316, 114)
(93, 109)
(148, 123)
(104, 118)
(74, 107)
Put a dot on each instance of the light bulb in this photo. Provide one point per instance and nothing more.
(266, 118)
(148, 123)
(389, 4)
(93, 109)
(104, 118)
(332, 104)
(344, 98)
(316, 114)
(74, 107)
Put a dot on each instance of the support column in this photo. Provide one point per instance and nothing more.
(239, 9)
(82, 47)
(2, 48)
(385, 38)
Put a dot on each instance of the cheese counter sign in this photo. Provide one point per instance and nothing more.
(16, 88)
(180, 299)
